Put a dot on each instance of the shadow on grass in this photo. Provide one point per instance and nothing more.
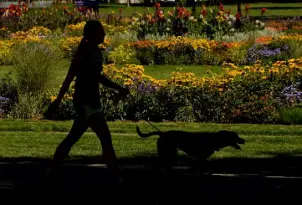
(286, 164)
(249, 179)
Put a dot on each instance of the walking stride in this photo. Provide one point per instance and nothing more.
(86, 67)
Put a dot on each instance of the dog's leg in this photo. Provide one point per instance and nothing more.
(167, 153)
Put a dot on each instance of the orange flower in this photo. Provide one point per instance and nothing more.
(228, 12)
(264, 39)
(247, 6)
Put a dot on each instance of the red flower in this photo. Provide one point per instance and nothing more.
(221, 7)
(263, 10)
(187, 13)
(238, 15)
(157, 5)
(180, 11)
(203, 12)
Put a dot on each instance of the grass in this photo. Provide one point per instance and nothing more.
(21, 138)
(274, 9)
(156, 71)
(164, 71)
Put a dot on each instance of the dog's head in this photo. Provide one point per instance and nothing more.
(232, 138)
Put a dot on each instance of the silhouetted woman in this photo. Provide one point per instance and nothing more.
(86, 66)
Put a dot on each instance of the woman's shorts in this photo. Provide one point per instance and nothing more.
(85, 111)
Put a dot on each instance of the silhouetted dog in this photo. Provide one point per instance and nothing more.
(200, 145)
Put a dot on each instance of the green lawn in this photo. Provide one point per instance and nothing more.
(20, 138)
(156, 71)
(164, 71)
(273, 9)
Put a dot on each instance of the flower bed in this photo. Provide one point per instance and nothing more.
(251, 88)
(251, 94)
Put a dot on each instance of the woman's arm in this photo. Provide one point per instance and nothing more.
(65, 85)
(108, 83)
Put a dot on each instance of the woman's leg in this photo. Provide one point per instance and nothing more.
(99, 125)
(77, 130)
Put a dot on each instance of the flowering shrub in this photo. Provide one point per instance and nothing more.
(250, 94)
(69, 45)
(180, 21)
(122, 54)
(51, 18)
(184, 50)
(4, 33)
(271, 52)
(5, 52)
(8, 90)
(293, 25)
(77, 29)
(292, 94)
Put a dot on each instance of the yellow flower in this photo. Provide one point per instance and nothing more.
(52, 98)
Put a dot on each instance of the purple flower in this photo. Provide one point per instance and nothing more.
(3, 98)
(257, 52)
(145, 87)
(291, 92)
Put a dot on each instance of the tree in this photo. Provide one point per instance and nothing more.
(128, 3)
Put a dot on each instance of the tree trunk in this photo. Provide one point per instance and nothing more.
(128, 3)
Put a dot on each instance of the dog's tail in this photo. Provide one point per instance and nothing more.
(145, 135)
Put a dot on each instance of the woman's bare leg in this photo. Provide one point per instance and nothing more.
(77, 130)
(99, 125)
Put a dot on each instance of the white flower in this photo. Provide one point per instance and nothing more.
(143, 22)
(232, 17)
(261, 24)
(168, 29)
(229, 22)
(191, 18)
(201, 16)
(257, 21)
(168, 20)
(232, 30)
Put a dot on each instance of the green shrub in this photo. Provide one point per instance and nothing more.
(28, 106)
(291, 116)
(34, 64)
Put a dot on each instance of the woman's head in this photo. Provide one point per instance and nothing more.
(94, 32)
